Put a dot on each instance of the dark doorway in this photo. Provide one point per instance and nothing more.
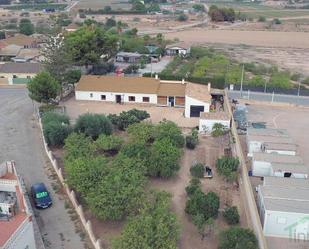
(287, 174)
(171, 101)
(118, 99)
(195, 110)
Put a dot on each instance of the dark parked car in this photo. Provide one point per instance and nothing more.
(41, 196)
(208, 172)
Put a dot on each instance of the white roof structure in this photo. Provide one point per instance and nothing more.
(290, 167)
(276, 158)
(285, 199)
(280, 146)
(270, 139)
(286, 182)
(267, 132)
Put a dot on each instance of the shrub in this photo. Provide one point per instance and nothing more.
(262, 19)
(276, 21)
(182, 17)
(191, 142)
(131, 69)
(197, 170)
(55, 132)
(164, 158)
(55, 117)
(231, 215)
(236, 238)
(227, 167)
(142, 132)
(194, 185)
(93, 125)
(168, 129)
(218, 130)
(109, 143)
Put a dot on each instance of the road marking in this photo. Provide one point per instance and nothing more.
(274, 120)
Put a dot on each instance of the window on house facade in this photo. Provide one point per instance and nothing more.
(132, 98)
(146, 99)
(103, 97)
(91, 95)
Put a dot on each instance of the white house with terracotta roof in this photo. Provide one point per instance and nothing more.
(194, 98)
(16, 225)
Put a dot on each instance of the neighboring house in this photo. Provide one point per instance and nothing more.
(71, 27)
(19, 72)
(269, 144)
(27, 55)
(195, 98)
(268, 164)
(284, 208)
(9, 52)
(128, 57)
(179, 48)
(23, 41)
(16, 225)
(208, 119)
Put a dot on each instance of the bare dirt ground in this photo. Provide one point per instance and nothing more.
(208, 151)
(251, 38)
(74, 108)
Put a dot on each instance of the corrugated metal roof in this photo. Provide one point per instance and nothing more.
(269, 139)
(276, 158)
(268, 132)
(286, 182)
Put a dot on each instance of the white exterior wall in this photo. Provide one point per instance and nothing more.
(253, 146)
(191, 101)
(206, 125)
(277, 224)
(282, 152)
(23, 239)
(294, 175)
(260, 168)
(111, 97)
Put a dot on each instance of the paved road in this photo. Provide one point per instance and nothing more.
(20, 141)
(268, 97)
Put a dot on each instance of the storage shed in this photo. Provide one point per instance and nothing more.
(208, 119)
(284, 209)
(264, 164)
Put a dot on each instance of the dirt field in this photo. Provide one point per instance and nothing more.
(75, 108)
(99, 4)
(253, 38)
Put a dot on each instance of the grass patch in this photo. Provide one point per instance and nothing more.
(37, 6)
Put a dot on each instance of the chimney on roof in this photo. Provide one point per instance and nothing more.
(183, 81)
(209, 86)
(156, 76)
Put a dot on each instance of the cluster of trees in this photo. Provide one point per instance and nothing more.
(26, 27)
(221, 14)
(111, 173)
(192, 140)
(237, 237)
(203, 208)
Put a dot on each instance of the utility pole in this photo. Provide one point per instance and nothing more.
(242, 79)
(298, 92)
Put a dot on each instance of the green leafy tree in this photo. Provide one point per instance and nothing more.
(218, 129)
(197, 170)
(231, 215)
(191, 142)
(124, 119)
(227, 167)
(87, 44)
(195, 184)
(109, 143)
(137, 150)
(55, 133)
(156, 227)
(93, 125)
(164, 159)
(237, 238)
(84, 174)
(182, 17)
(142, 132)
(78, 146)
(56, 117)
(120, 193)
(72, 76)
(198, 7)
(26, 27)
(43, 88)
(280, 79)
(168, 129)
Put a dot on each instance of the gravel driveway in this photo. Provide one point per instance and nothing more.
(20, 141)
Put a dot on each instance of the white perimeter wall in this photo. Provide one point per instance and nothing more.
(282, 152)
(276, 223)
(206, 125)
(85, 95)
(24, 238)
(191, 101)
(254, 146)
(294, 174)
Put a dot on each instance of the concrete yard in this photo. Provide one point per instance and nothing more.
(20, 141)
(74, 108)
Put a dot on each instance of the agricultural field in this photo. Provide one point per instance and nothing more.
(100, 4)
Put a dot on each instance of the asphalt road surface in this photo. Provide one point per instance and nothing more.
(268, 97)
(20, 141)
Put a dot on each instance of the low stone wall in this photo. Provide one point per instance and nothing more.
(71, 194)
